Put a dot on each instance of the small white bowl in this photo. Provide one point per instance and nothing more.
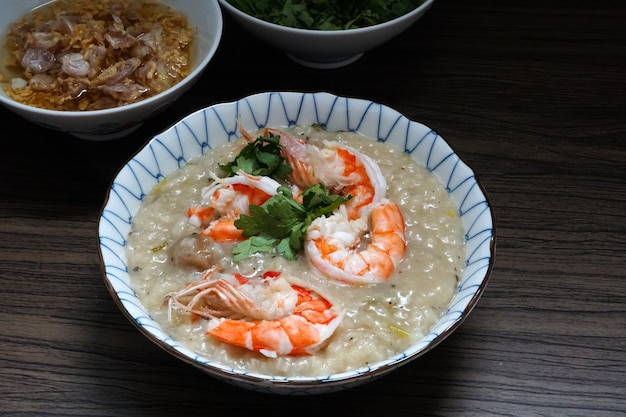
(199, 132)
(205, 16)
(325, 48)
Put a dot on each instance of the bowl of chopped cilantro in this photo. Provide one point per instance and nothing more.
(326, 33)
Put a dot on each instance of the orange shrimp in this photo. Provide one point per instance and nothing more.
(226, 199)
(264, 314)
(340, 168)
(332, 245)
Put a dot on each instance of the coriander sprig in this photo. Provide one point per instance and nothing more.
(261, 157)
(280, 224)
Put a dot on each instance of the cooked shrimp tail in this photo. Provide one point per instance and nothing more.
(340, 168)
(263, 314)
(225, 200)
(332, 245)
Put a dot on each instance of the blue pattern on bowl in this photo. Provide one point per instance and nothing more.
(202, 130)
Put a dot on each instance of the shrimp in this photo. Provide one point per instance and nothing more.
(340, 168)
(264, 314)
(227, 199)
(332, 245)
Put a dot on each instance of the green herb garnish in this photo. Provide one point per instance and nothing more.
(262, 157)
(326, 14)
(279, 224)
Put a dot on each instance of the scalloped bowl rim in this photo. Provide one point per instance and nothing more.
(182, 142)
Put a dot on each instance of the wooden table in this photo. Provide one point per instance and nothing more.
(531, 94)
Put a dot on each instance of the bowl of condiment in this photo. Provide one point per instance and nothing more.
(311, 250)
(326, 34)
(98, 69)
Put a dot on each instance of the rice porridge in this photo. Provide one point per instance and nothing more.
(378, 321)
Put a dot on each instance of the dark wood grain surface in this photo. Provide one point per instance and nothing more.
(531, 94)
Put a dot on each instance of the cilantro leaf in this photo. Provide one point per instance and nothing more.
(280, 223)
(253, 245)
(318, 200)
(326, 14)
(262, 158)
(276, 217)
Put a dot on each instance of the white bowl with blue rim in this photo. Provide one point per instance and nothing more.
(115, 123)
(325, 49)
(197, 133)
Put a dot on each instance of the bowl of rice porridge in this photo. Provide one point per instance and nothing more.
(296, 243)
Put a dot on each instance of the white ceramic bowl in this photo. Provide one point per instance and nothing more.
(202, 130)
(205, 16)
(325, 49)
